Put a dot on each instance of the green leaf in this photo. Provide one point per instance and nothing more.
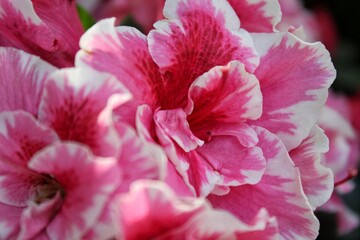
(86, 19)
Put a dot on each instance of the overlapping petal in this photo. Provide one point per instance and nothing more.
(123, 52)
(257, 15)
(184, 49)
(22, 79)
(279, 191)
(21, 136)
(154, 207)
(224, 94)
(222, 225)
(317, 180)
(294, 79)
(78, 105)
(37, 27)
(85, 185)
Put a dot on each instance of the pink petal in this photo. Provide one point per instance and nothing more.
(235, 163)
(279, 191)
(175, 125)
(86, 181)
(225, 94)
(42, 30)
(294, 78)
(123, 52)
(154, 207)
(78, 104)
(257, 15)
(22, 80)
(198, 36)
(317, 179)
(36, 217)
(138, 159)
(21, 136)
(222, 225)
(9, 221)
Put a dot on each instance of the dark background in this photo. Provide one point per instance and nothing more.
(346, 58)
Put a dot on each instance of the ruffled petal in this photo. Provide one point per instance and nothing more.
(279, 191)
(224, 94)
(257, 15)
(234, 163)
(38, 27)
(123, 52)
(138, 159)
(294, 79)
(219, 224)
(22, 79)
(78, 105)
(197, 36)
(154, 207)
(317, 179)
(87, 183)
(21, 136)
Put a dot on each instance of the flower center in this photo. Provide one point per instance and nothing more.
(47, 188)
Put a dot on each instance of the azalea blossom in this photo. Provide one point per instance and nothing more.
(342, 158)
(49, 29)
(226, 105)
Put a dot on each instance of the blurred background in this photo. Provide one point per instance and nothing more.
(344, 43)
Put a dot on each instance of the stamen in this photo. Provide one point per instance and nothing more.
(351, 174)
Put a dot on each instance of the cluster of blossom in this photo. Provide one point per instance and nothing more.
(205, 128)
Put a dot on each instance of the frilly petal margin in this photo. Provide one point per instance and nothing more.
(197, 36)
(294, 78)
(279, 191)
(317, 179)
(123, 52)
(257, 15)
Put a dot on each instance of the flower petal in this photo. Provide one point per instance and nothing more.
(123, 52)
(316, 179)
(138, 159)
(257, 15)
(22, 78)
(294, 79)
(279, 191)
(78, 104)
(197, 36)
(153, 206)
(224, 94)
(235, 163)
(21, 136)
(35, 218)
(222, 225)
(9, 221)
(175, 125)
(87, 182)
(38, 27)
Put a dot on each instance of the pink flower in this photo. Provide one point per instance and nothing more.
(60, 186)
(227, 106)
(342, 157)
(38, 27)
